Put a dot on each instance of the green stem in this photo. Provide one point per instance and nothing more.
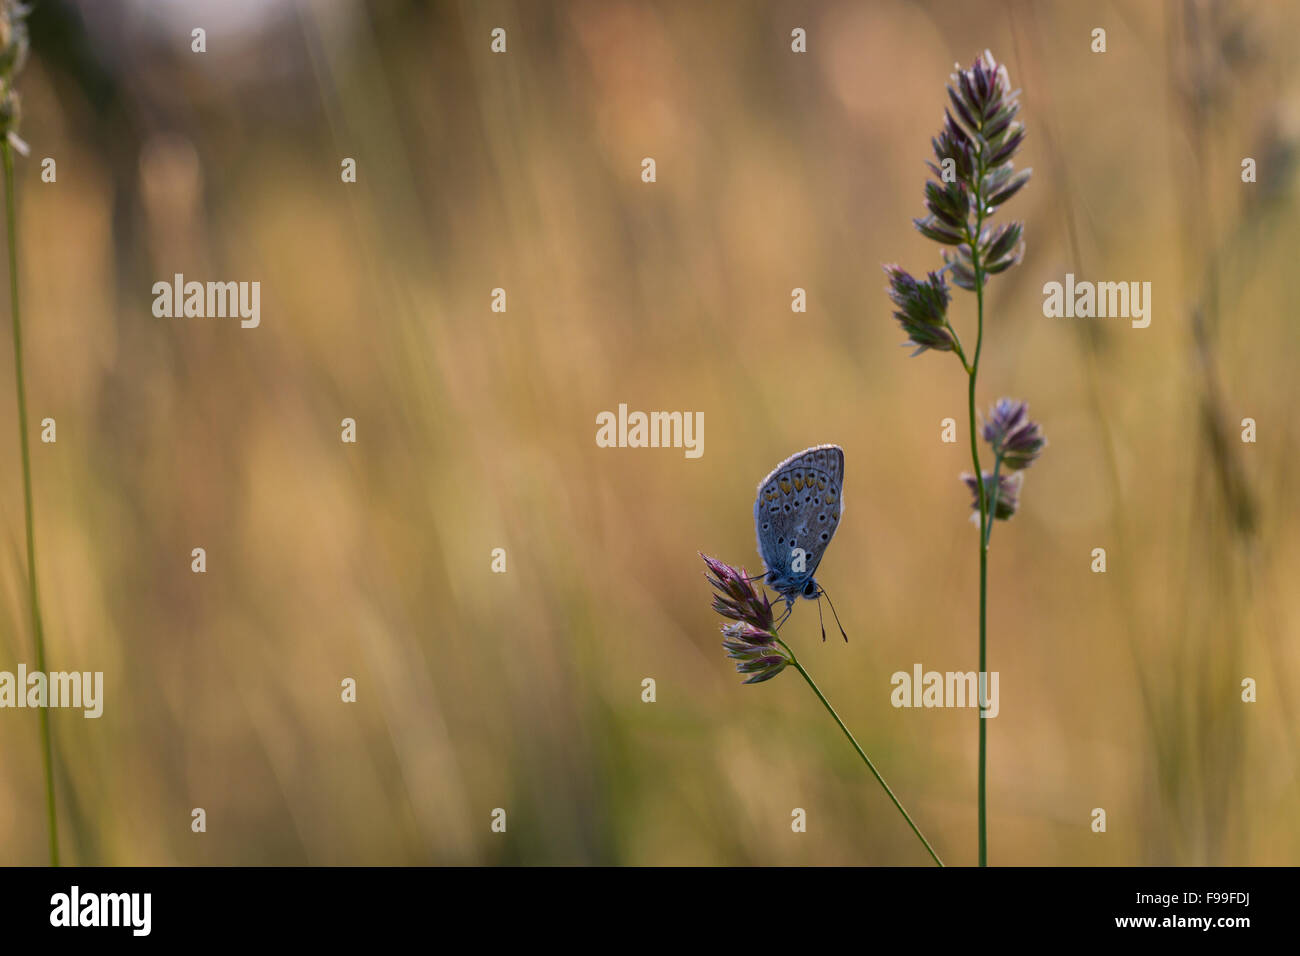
(956, 345)
(983, 498)
(38, 631)
(993, 502)
(861, 753)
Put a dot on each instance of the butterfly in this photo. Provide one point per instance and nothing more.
(796, 513)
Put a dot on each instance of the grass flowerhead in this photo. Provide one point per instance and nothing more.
(750, 639)
(974, 175)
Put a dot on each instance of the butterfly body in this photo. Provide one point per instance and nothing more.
(796, 512)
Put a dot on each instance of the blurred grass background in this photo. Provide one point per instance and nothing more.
(476, 431)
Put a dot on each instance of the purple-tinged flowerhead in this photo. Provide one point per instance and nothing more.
(922, 308)
(950, 205)
(985, 106)
(974, 174)
(1015, 439)
(979, 93)
(1008, 493)
(758, 661)
(13, 53)
(953, 143)
(975, 151)
(736, 596)
(750, 638)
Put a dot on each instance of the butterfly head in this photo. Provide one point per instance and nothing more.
(794, 586)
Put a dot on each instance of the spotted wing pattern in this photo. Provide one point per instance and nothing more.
(799, 506)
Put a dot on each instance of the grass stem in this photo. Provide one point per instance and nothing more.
(985, 516)
(38, 630)
(861, 753)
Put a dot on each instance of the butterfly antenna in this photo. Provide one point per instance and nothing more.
(822, 594)
(819, 618)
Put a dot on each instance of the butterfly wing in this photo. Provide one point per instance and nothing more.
(799, 506)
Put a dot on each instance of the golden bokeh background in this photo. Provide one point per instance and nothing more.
(476, 430)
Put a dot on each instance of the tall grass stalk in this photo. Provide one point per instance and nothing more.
(38, 629)
(974, 176)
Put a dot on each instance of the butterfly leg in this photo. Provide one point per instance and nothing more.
(789, 608)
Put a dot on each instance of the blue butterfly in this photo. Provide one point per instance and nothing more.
(796, 513)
